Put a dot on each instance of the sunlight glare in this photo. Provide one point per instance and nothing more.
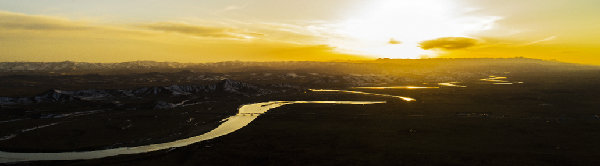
(410, 22)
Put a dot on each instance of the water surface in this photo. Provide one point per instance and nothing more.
(247, 113)
(397, 87)
(452, 84)
(500, 80)
(364, 93)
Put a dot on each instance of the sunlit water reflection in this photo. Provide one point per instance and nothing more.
(397, 87)
(247, 113)
(499, 80)
(452, 84)
(364, 93)
(495, 79)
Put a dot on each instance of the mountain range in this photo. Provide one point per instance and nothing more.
(63, 96)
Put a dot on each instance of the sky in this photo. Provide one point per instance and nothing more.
(282, 30)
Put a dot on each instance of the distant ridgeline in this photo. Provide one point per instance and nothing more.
(388, 66)
(223, 87)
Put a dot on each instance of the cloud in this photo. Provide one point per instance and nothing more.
(15, 21)
(202, 31)
(448, 43)
(47, 38)
(394, 41)
(541, 40)
(233, 7)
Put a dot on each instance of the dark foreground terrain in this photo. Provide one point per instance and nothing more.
(543, 114)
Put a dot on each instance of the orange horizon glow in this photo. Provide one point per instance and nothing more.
(268, 30)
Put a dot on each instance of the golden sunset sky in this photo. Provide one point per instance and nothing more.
(281, 30)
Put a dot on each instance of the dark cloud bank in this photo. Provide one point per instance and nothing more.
(448, 43)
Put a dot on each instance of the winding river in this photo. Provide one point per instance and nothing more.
(408, 99)
(247, 113)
